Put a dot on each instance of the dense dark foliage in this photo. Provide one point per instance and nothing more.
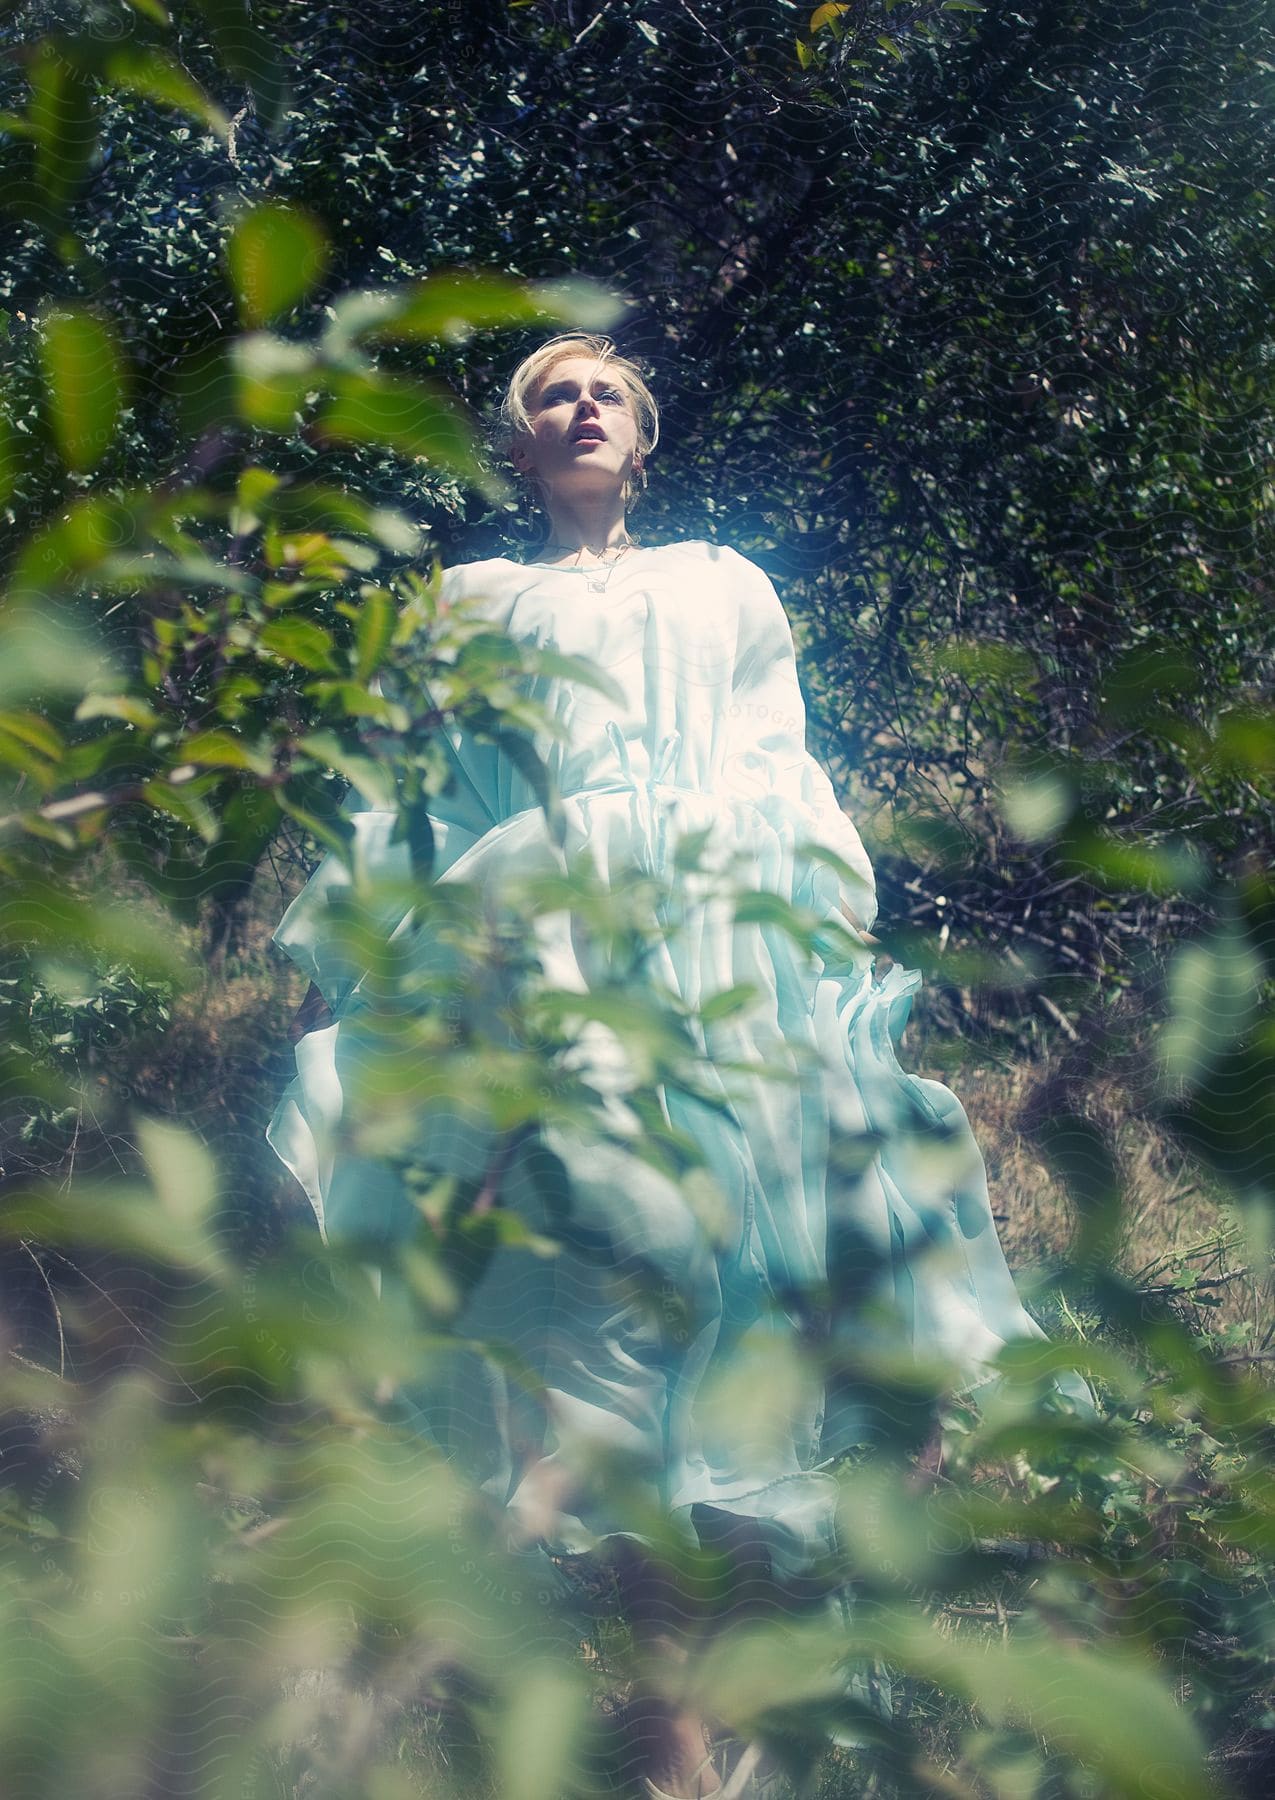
(967, 344)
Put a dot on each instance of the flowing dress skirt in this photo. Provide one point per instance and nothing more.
(680, 1335)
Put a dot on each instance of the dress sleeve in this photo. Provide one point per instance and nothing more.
(768, 736)
(306, 934)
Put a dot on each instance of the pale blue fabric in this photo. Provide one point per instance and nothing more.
(709, 732)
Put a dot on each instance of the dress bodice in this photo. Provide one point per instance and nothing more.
(704, 697)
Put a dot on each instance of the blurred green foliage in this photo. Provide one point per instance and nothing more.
(962, 321)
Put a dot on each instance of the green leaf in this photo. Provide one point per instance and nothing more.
(10, 455)
(84, 379)
(61, 556)
(984, 664)
(1245, 739)
(772, 909)
(522, 753)
(1037, 805)
(151, 75)
(222, 749)
(334, 834)
(129, 707)
(255, 488)
(729, 1002)
(1144, 679)
(184, 805)
(578, 302)
(181, 1173)
(691, 847)
(23, 759)
(29, 728)
(372, 779)
(358, 315)
(276, 254)
(406, 416)
(1101, 858)
(1213, 993)
(320, 507)
(62, 119)
(536, 1739)
(248, 52)
(359, 702)
(300, 641)
(1108, 1707)
(271, 380)
(393, 530)
(206, 388)
(452, 305)
(40, 912)
(374, 632)
(573, 668)
(248, 822)
(123, 1219)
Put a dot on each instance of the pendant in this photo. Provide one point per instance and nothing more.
(596, 586)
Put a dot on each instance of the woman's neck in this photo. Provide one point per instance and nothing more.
(587, 529)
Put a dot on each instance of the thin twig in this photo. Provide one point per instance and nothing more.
(98, 800)
(113, 1304)
(1046, 1005)
(595, 20)
(1201, 1281)
(53, 1302)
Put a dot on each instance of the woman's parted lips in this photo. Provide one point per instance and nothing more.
(587, 429)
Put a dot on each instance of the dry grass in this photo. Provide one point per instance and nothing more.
(1171, 1217)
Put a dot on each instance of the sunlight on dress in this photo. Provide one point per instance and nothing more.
(706, 1400)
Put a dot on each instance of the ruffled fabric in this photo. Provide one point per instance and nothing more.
(666, 1351)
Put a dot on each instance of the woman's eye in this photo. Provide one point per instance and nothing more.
(610, 394)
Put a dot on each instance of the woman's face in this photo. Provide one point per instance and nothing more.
(583, 434)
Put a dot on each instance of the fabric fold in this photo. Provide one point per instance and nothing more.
(637, 1330)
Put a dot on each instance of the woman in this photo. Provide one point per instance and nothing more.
(703, 733)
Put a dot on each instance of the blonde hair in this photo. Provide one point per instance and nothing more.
(513, 418)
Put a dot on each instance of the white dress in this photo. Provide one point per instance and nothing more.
(666, 1348)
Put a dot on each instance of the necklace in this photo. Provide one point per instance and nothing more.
(596, 583)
